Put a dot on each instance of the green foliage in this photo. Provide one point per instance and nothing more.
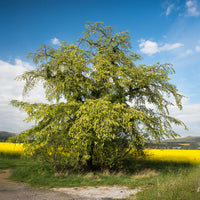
(88, 121)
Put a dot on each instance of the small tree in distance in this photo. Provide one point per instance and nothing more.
(98, 102)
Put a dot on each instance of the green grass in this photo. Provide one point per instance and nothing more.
(157, 180)
(183, 185)
(29, 171)
(8, 161)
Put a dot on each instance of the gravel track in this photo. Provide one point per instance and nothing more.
(10, 190)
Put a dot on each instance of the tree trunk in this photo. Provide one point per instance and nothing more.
(90, 165)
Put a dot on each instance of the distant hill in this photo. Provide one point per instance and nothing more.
(5, 135)
(179, 143)
(188, 139)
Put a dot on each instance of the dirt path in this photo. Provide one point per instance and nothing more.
(19, 191)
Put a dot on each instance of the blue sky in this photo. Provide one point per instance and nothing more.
(163, 31)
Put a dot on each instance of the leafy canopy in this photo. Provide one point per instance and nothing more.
(100, 102)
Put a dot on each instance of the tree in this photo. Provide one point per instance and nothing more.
(100, 102)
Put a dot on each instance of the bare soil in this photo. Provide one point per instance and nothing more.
(10, 190)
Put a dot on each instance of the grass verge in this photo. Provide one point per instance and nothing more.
(181, 185)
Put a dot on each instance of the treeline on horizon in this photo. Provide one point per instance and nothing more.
(4, 135)
(190, 142)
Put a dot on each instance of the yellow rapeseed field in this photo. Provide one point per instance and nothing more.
(11, 148)
(175, 155)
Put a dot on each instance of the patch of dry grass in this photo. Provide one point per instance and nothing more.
(146, 173)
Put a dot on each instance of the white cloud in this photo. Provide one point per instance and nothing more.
(150, 48)
(191, 7)
(189, 52)
(189, 3)
(55, 41)
(169, 9)
(11, 117)
(168, 47)
(190, 115)
(197, 48)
